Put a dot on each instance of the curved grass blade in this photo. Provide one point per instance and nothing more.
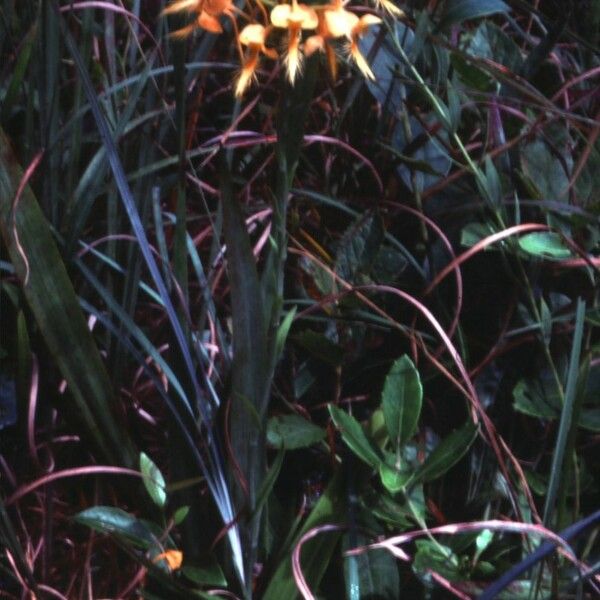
(544, 550)
(222, 498)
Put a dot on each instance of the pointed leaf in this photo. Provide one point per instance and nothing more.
(354, 436)
(292, 432)
(108, 519)
(401, 401)
(544, 244)
(450, 450)
(458, 11)
(153, 480)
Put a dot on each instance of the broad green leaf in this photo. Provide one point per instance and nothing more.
(492, 183)
(537, 159)
(354, 436)
(471, 75)
(473, 233)
(316, 553)
(432, 556)
(209, 574)
(54, 304)
(359, 247)
(491, 43)
(283, 331)
(320, 346)
(388, 510)
(372, 574)
(418, 145)
(388, 87)
(292, 432)
(458, 11)
(180, 515)
(153, 479)
(483, 540)
(393, 479)
(268, 482)
(544, 244)
(448, 452)
(537, 397)
(111, 520)
(401, 401)
(590, 419)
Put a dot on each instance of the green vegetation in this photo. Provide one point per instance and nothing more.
(300, 301)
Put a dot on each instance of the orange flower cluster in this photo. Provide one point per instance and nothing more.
(323, 24)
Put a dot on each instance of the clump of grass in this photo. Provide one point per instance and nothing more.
(286, 285)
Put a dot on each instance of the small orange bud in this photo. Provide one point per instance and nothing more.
(173, 558)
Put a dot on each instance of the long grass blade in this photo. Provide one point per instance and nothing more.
(222, 497)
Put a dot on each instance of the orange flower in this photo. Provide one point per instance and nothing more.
(173, 558)
(334, 21)
(253, 37)
(390, 7)
(356, 33)
(294, 17)
(207, 14)
(338, 22)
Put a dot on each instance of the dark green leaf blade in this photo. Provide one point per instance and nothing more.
(52, 299)
(154, 481)
(112, 520)
(449, 451)
(458, 11)
(401, 401)
(292, 432)
(354, 436)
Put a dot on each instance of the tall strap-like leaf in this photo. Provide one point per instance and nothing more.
(52, 299)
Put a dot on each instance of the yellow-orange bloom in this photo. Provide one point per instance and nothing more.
(294, 17)
(356, 32)
(337, 22)
(207, 14)
(253, 37)
(390, 7)
(173, 558)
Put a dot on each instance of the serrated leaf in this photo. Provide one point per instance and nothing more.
(447, 453)
(153, 479)
(401, 401)
(358, 248)
(458, 11)
(544, 244)
(292, 432)
(354, 436)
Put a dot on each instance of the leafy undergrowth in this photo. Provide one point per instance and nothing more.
(299, 301)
